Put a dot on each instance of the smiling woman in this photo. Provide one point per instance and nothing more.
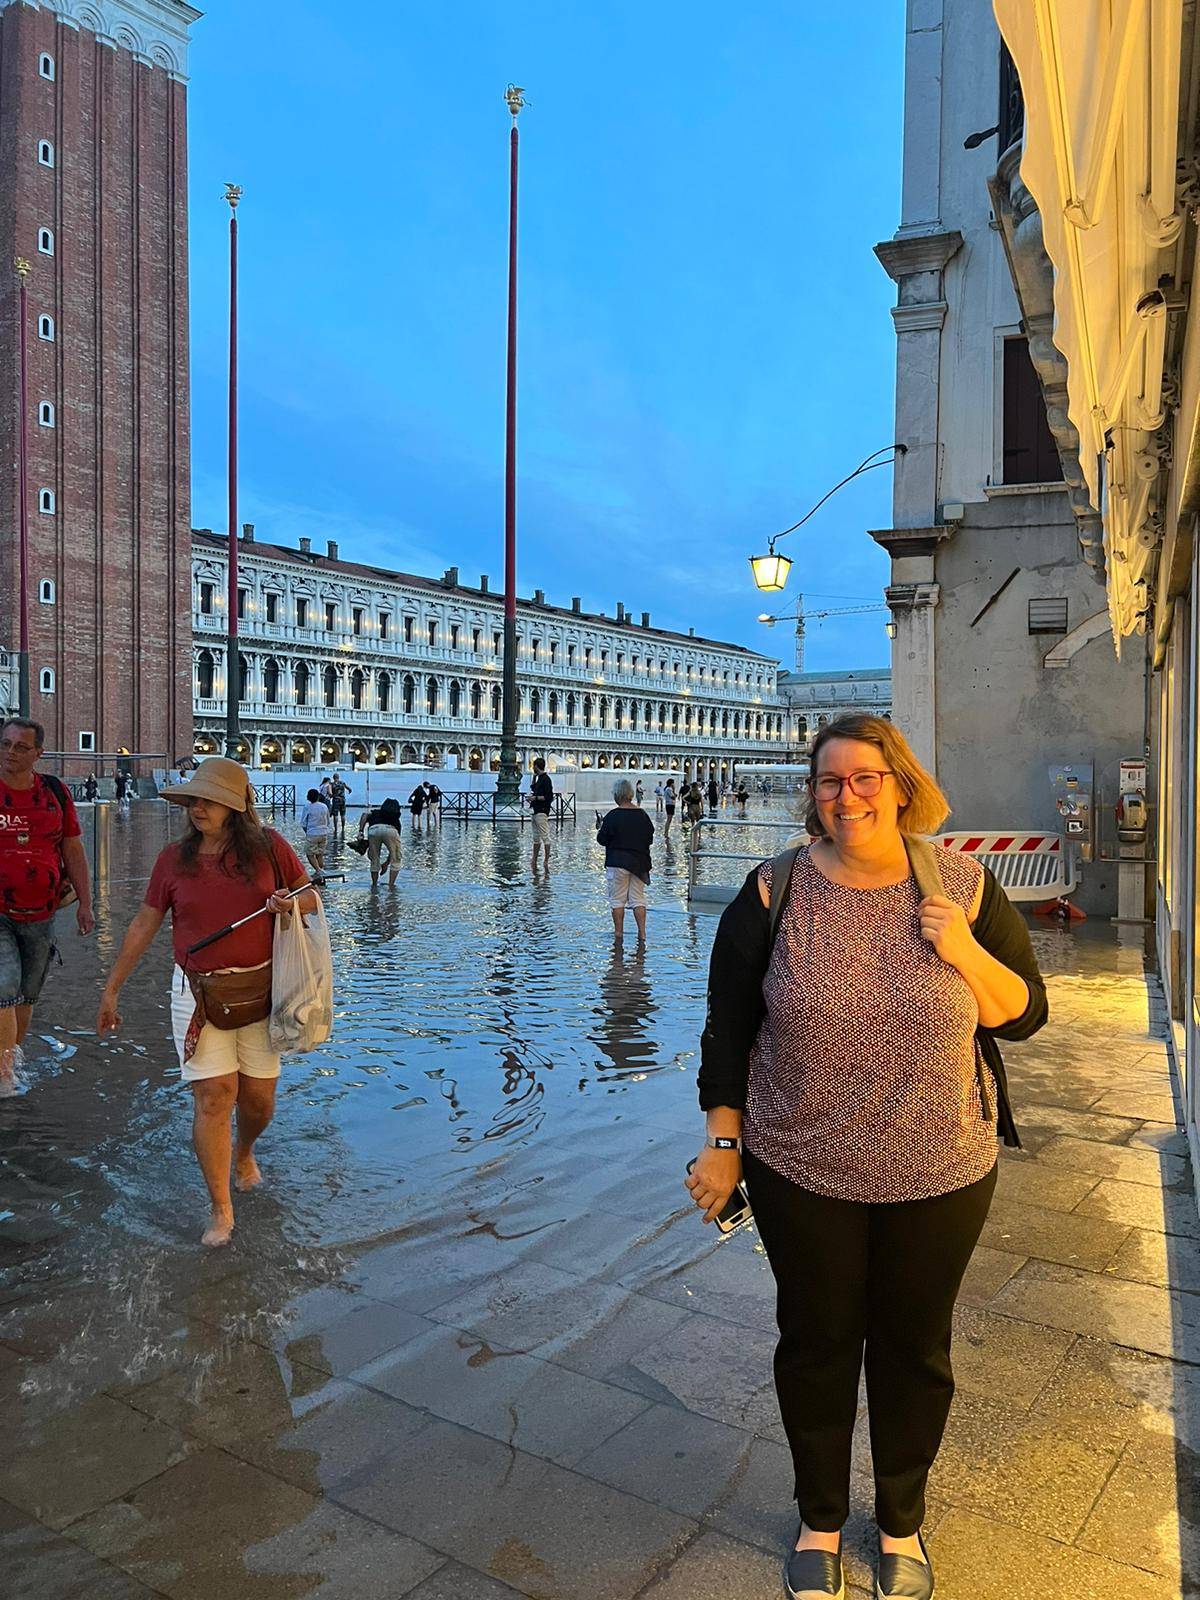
(849, 1059)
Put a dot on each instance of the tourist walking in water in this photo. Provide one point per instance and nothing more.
(626, 834)
(713, 796)
(743, 794)
(41, 854)
(416, 804)
(849, 1069)
(314, 819)
(225, 867)
(382, 828)
(669, 807)
(658, 796)
(694, 802)
(541, 800)
(339, 792)
(433, 803)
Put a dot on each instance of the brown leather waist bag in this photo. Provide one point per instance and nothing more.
(232, 999)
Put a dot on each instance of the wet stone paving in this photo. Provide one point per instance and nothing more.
(470, 1340)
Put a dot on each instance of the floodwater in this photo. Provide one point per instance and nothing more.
(480, 1013)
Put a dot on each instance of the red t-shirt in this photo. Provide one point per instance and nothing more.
(202, 901)
(33, 826)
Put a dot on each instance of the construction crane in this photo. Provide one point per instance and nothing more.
(804, 617)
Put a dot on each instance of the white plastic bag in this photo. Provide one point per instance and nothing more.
(301, 982)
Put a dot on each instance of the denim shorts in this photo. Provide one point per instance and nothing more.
(26, 949)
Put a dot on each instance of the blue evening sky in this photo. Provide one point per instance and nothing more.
(705, 338)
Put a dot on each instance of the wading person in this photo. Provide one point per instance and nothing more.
(713, 796)
(314, 819)
(416, 804)
(226, 866)
(339, 790)
(668, 807)
(626, 834)
(541, 799)
(851, 1071)
(40, 853)
(382, 828)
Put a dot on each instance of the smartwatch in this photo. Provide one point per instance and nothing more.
(720, 1143)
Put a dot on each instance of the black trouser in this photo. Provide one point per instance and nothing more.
(853, 1276)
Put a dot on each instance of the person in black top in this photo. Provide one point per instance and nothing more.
(382, 828)
(712, 797)
(626, 834)
(541, 798)
(416, 802)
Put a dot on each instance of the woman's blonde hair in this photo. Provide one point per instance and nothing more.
(925, 807)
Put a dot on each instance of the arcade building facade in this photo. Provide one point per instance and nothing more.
(342, 662)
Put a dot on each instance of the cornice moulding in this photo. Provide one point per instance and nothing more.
(929, 252)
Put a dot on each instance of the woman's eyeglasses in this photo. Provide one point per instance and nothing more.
(865, 784)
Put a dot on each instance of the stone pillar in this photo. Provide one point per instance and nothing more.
(912, 597)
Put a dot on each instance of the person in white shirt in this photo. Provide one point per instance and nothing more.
(314, 819)
(658, 797)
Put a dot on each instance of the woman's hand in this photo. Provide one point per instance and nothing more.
(946, 927)
(108, 1018)
(713, 1179)
(280, 903)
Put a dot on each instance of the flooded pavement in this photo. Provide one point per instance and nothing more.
(469, 1341)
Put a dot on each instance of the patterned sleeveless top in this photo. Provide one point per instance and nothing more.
(863, 1078)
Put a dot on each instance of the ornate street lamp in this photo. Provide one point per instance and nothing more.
(771, 571)
(508, 781)
(233, 736)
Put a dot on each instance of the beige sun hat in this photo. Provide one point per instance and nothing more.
(218, 779)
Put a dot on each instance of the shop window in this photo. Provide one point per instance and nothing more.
(1030, 454)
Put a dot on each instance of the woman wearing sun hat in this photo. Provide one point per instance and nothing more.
(225, 867)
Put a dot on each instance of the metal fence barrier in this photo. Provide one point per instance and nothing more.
(463, 804)
(723, 893)
(275, 797)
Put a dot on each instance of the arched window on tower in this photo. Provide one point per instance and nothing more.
(45, 241)
(45, 153)
(46, 414)
(46, 328)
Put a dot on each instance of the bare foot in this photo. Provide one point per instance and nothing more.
(245, 1173)
(220, 1227)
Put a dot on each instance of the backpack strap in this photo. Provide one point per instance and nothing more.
(781, 881)
(58, 789)
(923, 859)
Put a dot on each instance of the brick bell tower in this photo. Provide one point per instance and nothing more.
(93, 196)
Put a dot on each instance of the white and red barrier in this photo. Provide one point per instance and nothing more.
(1030, 867)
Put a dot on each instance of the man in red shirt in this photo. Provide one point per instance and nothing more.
(40, 850)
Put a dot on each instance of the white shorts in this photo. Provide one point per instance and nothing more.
(219, 1051)
(625, 888)
(541, 827)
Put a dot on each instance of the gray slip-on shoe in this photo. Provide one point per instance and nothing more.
(814, 1575)
(904, 1577)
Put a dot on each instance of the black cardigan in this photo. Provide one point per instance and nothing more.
(736, 1008)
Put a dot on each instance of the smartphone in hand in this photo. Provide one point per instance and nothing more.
(736, 1212)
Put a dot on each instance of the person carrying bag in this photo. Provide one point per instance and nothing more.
(850, 1073)
(222, 991)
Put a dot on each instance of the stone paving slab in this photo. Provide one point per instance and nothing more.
(1159, 1258)
(545, 1531)
(453, 1582)
(1146, 1107)
(526, 1403)
(691, 1461)
(987, 1272)
(59, 1462)
(976, 1558)
(1162, 1321)
(37, 1564)
(1075, 1240)
(218, 1529)
(1141, 1206)
(1111, 1161)
(1149, 1511)
(1002, 1359)
(1055, 1188)
(708, 1366)
(1117, 1398)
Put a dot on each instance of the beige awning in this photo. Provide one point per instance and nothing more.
(1101, 86)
